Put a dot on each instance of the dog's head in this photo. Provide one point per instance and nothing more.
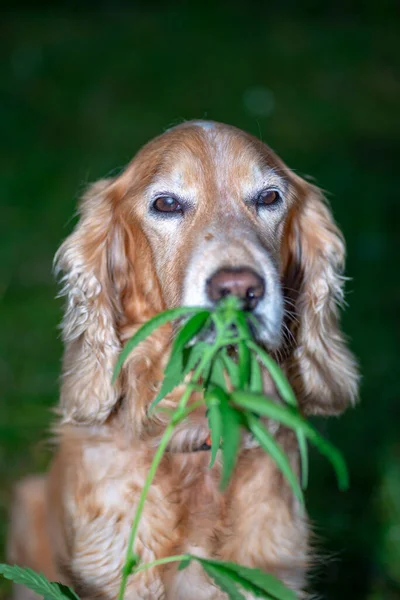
(203, 211)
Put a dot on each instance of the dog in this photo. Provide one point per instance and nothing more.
(202, 211)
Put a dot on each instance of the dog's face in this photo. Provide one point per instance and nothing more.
(214, 214)
(203, 211)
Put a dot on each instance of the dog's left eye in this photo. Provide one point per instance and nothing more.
(167, 204)
(268, 198)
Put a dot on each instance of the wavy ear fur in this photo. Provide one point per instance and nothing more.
(86, 259)
(322, 369)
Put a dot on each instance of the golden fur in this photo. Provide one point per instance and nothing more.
(122, 265)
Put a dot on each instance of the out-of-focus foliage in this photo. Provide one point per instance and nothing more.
(83, 88)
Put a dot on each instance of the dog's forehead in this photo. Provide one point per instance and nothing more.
(194, 152)
(205, 125)
(202, 139)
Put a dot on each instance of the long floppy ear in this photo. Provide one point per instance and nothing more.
(322, 369)
(111, 288)
(89, 326)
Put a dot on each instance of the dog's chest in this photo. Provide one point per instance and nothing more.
(200, 502)
(185, 513)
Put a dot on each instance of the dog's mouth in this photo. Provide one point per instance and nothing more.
(204, 447)
(190, 442)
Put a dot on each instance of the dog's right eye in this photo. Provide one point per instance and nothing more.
(167, 204)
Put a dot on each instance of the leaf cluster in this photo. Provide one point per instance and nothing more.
(217, 352)
(218, 348)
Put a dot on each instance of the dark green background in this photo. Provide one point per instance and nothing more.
(83, 89)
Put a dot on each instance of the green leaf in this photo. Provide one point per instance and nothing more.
(189, 330)
(145, 330)
(242, 326)
(217, 376)
(244, 363)
(272, 447)
(172, 378)
(303, 449)
(226, 312)
(193, 356)
(38, 583)
(290, 417)
(262, 405)
(282, 384)
(285, 391)
(264, 581)
(215, 423)
(231, 423)
(231, 367)
(256, 381)
(174, 370)
(223, 581)
(262, 585)
(185, 563)
(260, 582)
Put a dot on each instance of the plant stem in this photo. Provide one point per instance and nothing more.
(162, 561)
(126, 571)
(130, 558)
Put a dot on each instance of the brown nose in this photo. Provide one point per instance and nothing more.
(241, 282)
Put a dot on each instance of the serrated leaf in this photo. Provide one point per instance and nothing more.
(242, 326)
(172, 378)
(231, 435)
(256, 381)
(215, 423)
(244, 363)
(174, 374)
(262, 405)
(145, 330)
(231, 368)
(260, 582)
(285, 391)
(288, 416)
(37, 582)
(217, 376)
(202, 356)
(224, 582)
(264, 581)
(272, 447)
(191, 328)
(193, 356)
(263, 585)
(282, 384)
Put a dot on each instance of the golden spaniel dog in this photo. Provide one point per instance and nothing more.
(202, 211)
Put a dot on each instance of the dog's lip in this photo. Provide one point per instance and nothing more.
(205, 446)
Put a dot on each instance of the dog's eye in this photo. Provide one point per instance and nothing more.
(268, 198)
(167, 204)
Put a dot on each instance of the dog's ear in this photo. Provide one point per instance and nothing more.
(86, 259)
(321, 368)
(111, 288)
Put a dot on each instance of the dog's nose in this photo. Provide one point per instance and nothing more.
(241, 282)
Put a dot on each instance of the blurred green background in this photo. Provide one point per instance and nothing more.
(84, 87)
